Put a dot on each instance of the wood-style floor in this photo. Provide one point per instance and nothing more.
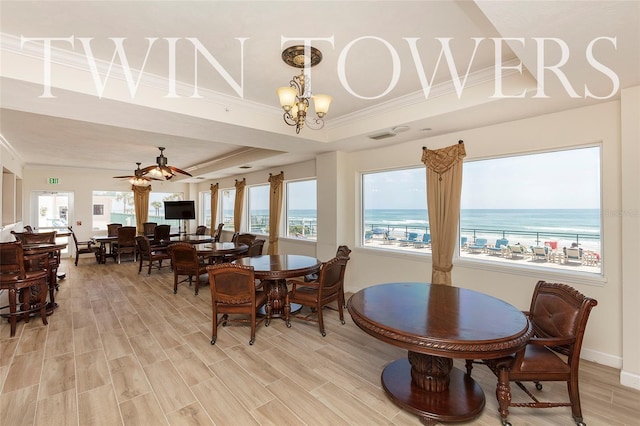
(123, 349)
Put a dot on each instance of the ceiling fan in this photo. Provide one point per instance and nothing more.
(161, 169)
(138, 178)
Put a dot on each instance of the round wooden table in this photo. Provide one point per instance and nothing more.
(437, 323)
(274, 269)
(216, 251)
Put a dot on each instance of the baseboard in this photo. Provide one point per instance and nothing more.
(631, 380)
(601, 358)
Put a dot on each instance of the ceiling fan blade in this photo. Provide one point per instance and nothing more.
(177, 170)
(123, 177)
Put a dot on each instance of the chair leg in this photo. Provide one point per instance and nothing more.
(175, 283)
(214, 319)
(253, 327)
(287, 311)
(340, 307)
(321, 320)
(77, 257)
(574, 398)
(469, 365)
(42, 293)
(12, 311)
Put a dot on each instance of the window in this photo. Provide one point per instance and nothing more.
(258, 208)
(395, 210)
(302, 209)
(205, 209)
(156, 208)
(227, 205)
(98, 209)
(117, 207)
(535, 206)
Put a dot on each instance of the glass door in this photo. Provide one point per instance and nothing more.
(52, 211)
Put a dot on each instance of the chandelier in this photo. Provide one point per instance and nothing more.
(294, 99)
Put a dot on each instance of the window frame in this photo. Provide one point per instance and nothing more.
(249, 225)
(287, 203)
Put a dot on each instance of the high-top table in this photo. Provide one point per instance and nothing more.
(274, 270)
(52, 250)
(437, 323)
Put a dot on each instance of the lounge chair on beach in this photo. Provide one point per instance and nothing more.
(499, 248)
(411, 238)
(386, 239)
(573, 254)
(426, 240)
(479, 246)
(517, 251)
(540, 253)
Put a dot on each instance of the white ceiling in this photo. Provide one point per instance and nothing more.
(237, 121)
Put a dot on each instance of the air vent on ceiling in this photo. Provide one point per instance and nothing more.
(383, 135)
(245, 167)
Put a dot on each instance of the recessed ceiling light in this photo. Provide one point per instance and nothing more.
(426, 129)
(400, 129)
(245, 167)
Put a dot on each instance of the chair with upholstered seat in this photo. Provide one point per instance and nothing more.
(559, 315)
(28, 287)
(185, 261)
(161, 234)
(201, 230)
(83, 247)
(243, 238)
(317, 294)
(150, 254)
(255, 248)
(233, 291)
(148, 228)
(342, 251)
(217, 235)
(126, 243)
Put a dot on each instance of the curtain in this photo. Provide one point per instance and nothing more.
(237, 207)
(275, 209)
(444, 186)
(214, 207)
(141, 204)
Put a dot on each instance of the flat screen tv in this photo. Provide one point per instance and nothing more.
(179, 210)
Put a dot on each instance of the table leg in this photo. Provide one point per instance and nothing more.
(428, 386)
(277, 292)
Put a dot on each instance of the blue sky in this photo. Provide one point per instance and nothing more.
(551, 180)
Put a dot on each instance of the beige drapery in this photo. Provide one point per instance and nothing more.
(444, 186)
(214, 206)
(237, 207)
(141, 205)
(275, 209)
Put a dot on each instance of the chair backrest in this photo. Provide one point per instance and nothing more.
(539, 251)
(560, 311)
(73, 234)
(517, 248)
(112, 229)
(127, 236)
(426, 238)
(573, 253)
(36, 238)
(201, 230)
(162, 232)
(481, 242)
(502, 242)
(148, 228)
(331, 276)
(12, 259)
(232, 284)
(218, 233)
(255, 248)
(144, 247)
(28, 228)
(343, 251)
(184, 258)
(244, 238)
(412, 235)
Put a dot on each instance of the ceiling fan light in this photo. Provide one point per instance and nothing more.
(137, 181)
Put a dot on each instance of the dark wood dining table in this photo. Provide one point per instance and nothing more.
(103, 240)
(274, 270)
(215, 252)
(436, 324)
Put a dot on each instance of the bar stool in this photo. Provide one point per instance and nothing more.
(28, 287)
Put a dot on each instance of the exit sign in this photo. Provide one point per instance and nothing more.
(54, 181)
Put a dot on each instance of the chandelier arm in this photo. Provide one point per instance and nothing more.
(314, 123)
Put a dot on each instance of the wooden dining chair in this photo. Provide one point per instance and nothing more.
(161, 234)
(233, 292)
(201, 230)
(185, 261)
(148, 228)
(217, 235)
(29, 287)
(150, 254)
(559, 315)
(317, 294)
(83, 247)
(126, 243)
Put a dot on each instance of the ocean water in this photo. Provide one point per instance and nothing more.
(527, 226)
